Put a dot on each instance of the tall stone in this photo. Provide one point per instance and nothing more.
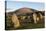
(15, 21)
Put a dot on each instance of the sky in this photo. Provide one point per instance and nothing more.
(20, 4)
(27, 0)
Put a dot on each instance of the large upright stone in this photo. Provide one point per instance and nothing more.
(15, 21)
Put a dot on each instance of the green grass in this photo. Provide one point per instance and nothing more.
(29, 26)
(9, 24)
(32, 26)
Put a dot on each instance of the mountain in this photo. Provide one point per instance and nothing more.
(23, 10)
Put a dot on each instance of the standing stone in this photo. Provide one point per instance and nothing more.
(35, 18)
(15, 21)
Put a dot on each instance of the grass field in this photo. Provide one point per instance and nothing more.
(28, 26)
(40, 24)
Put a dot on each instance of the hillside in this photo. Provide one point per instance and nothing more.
(25, 25)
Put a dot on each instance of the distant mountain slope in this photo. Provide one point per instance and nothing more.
(23, 10)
